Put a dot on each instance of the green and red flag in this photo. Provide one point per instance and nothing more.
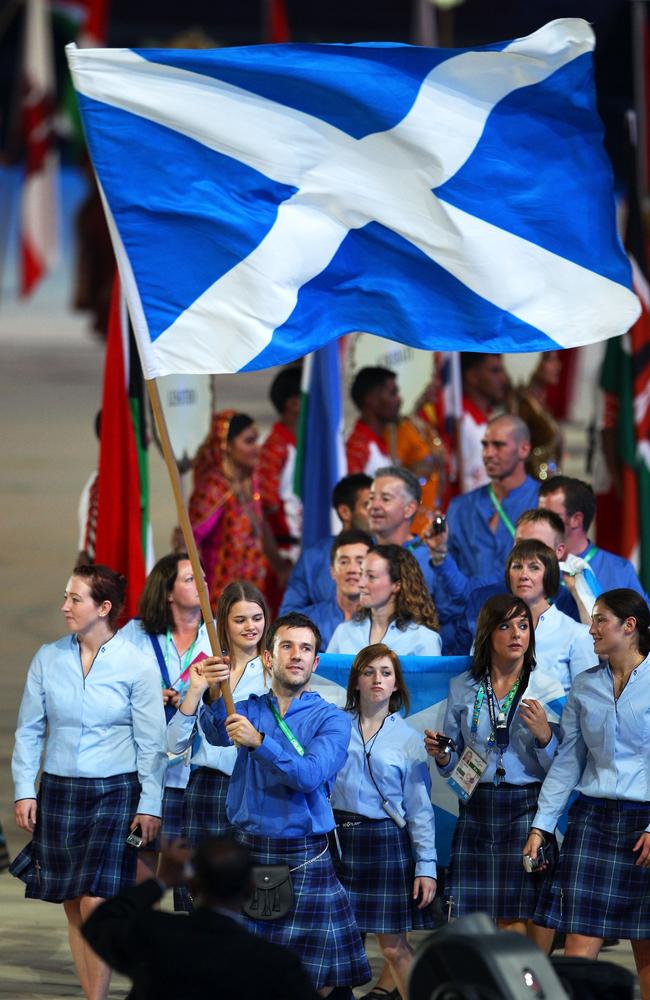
(122, 536)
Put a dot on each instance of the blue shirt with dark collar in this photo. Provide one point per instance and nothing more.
(274, 792)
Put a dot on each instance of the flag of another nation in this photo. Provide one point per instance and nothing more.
(39, 241)
(320, 459)
(265, 200)
(122, 536)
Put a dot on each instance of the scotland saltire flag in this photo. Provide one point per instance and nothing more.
(265, 200)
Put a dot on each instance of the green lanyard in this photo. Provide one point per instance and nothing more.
(588, 556)
(186, 659)
(501, 512)
(503, 707)
(285, 729)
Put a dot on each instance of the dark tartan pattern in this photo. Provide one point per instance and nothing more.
(79, 845)
(204, 805)
(203, 815)
(172, 818)
(597, 888)
(376, 869)
(321, 928)
(486, 873)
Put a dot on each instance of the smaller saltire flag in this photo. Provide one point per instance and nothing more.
(122, 513)
(39, 202)
(320, 458)
(266, 200)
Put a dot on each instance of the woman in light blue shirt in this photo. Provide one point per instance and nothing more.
(601, 887)
(395, 607)
(490, 714)
(383, 812)
(242, 621)
(92, 703)
(170, 633)
(563, 647)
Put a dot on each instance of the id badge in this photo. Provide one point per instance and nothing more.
(466, 775)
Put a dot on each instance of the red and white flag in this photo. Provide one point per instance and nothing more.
(39, 236)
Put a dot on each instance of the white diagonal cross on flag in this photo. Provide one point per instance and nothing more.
(345, 183)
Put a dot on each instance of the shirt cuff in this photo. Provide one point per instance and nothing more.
(150, 805)
(426, 869)
(545, 821)
(25, 790)
(268, 751)
(546, 754)
(445, 769)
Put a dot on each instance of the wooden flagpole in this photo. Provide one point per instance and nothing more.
(186, 528)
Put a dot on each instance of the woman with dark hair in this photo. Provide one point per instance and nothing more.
(92, 705)
(563, 647)
(601, 887)
(225, 506)
(242, 621)
(501, 747)
(383, 812)
(170, 632)
(395, 607)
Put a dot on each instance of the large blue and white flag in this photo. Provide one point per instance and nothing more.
(265, 200)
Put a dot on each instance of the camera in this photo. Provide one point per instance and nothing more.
(446, 743)
(438, 524)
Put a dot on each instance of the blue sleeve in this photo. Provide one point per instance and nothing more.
(630, 579)
(452, 727)
(30, 732)
(298, 594)
(420, 820)
(565, 771)
(212, 719)
(334, 645)
(148, 721)
(324, 757)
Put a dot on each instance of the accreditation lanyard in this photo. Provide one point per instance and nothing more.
(185, 659)
(500, 720)
(500, 511)
(293, 740)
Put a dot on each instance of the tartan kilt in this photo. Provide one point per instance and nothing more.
(172, 818)
(204, 806)
(486, 873)
(321, 929)
(79, 844)
(377, 871)
(597, 889)
(203, 814)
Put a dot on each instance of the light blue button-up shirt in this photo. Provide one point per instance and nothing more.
(563, 647)
(605, 748)
(414, 640)
(181, 729)
(399, 766)
(524, 761)
(109, 722)
(274, 792)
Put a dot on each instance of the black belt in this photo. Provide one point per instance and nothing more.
(346, 819)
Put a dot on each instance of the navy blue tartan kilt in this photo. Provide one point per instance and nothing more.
(597, 889)
(486, 873)
(376, 869)
(204, 805)
(320, 929)
(172, 818)
(79, 844)
(203, 815)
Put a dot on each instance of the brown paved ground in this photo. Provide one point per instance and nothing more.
(50, 380)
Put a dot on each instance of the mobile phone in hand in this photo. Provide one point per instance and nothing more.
(135, 838)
